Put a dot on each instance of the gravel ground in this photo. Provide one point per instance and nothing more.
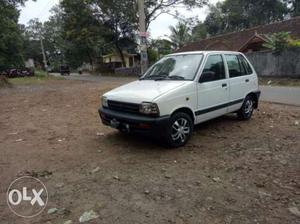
(230, 172)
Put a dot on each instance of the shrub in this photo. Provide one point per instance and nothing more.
(4, 81)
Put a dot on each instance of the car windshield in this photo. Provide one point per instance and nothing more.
(176, 67)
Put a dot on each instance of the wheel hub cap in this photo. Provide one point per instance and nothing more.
(180, 130)
(248, 106)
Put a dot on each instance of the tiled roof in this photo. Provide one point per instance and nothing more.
(234, 41)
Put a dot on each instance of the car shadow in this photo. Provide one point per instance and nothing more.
(139, 142)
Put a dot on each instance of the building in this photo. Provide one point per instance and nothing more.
(248, 40)
(114, 60)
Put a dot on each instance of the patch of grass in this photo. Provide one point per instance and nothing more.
(272, 81)
(38, 78)
(40, 73)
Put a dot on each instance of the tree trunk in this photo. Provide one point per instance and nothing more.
(91, 61)
(121, 54)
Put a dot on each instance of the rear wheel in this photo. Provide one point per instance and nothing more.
(246, 111)
(179, 130)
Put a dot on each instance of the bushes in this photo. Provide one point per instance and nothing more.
(4, 82)
(40, 73)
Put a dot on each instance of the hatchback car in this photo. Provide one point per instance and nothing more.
(182, 90)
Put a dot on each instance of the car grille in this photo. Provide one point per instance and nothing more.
(121, 106)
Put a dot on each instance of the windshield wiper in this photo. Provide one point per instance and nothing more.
(176, 77)
(173, 77)
(156, 77)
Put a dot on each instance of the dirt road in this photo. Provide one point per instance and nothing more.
(230, 172)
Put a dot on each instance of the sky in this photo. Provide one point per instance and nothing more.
(158, 28)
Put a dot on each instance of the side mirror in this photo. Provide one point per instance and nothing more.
(207, 76)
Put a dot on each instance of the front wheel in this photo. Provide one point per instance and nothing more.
(246, 111)
(179, 130)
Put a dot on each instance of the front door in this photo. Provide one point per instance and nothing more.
(212, 89)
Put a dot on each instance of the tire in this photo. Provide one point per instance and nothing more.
(246, 111)
(179, 130)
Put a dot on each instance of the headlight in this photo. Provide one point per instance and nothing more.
(149, 108)
(104, 101)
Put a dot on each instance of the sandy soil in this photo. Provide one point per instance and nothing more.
(230, 171)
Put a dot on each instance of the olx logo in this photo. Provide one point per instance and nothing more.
(24, 196)
(27, 197)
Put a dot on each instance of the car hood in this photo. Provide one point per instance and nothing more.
(143, 90)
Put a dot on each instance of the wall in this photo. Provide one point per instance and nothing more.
(285, 64)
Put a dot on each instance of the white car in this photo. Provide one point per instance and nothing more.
(182, 90)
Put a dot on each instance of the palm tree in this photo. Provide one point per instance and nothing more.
(180, 34)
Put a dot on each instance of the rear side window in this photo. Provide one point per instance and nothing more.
(237, 66)
(245, 65)
(214, 69)
(234, 66)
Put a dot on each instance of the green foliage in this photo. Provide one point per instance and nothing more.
(180, 34)
(40, 73)
(81, 32)
(162, 46)
(154, 8)
(199, 32)
(294, 43)
(152, 55)
(236, 15)
(10, 35)
(215, 22)
(31, 37)
(281, 41)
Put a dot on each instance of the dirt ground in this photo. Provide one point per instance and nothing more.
(230, 172)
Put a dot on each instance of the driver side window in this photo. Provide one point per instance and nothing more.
(214, 69)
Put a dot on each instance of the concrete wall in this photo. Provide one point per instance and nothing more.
(285, 64)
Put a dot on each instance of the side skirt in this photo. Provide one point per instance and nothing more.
(200, 112)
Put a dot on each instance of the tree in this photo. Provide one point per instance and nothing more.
(162, 46)
(180, 34)
(237, 15)
(199, 31)
(11, 42)
(281, 41)
(82, 32)
(215, 22)
(54, 41)
(119, 19)
(155, 8)
(158, 48)
(294, 7)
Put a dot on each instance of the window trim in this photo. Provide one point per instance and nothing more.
(245, 59)
(237, 56)
(204, 64)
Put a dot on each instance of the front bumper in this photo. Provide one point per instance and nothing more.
(134, 122)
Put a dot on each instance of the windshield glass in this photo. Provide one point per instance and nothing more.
(176, 67)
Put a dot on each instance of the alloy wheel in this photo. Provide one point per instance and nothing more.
(180, 130)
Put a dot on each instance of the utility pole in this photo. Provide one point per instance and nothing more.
(44, 55)
(143, 36)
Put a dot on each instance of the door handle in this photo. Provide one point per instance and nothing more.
(224, 85)
(247, 80)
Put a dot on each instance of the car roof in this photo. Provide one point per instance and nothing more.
(205, 52)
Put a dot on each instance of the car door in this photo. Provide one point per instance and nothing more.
(240, 80)
(212, 89)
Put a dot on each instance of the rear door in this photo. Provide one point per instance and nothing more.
(240, 80)
(212, 89)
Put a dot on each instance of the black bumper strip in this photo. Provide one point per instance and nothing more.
(200, 112)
